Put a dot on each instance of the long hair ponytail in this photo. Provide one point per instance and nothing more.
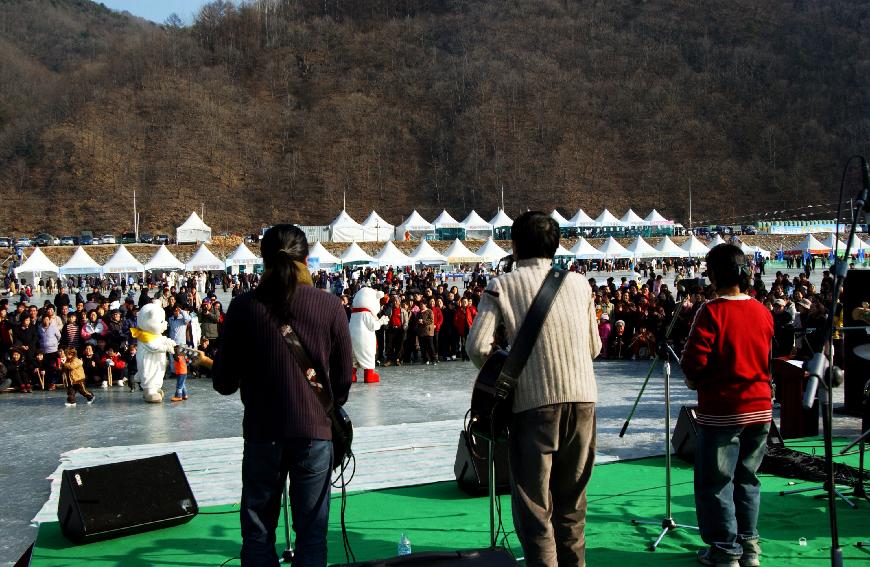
(282, 246)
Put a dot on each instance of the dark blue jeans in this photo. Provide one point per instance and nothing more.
(265, 466)
(727, 490)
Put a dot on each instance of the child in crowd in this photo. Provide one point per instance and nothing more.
(91, 365)
(17, 371)
(132, 367)
(179, 368)
(74, 377)
(205, 347)
(115, 369)
(604, 331)
(39, 371)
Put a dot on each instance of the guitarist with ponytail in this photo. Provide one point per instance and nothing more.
(286, 428)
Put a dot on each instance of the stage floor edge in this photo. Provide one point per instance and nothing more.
(438, 516)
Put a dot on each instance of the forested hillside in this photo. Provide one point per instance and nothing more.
(274, 111)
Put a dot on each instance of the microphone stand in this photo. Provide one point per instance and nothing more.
(667, 523)
(824, 378)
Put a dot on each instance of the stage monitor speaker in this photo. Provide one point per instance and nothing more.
(857, 370)
(120, 499)
(489, 557)
(470, 469)
(685, 437)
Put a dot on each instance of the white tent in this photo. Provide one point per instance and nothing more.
(80, 263)
(563, 222)
(491, 252)
(414, 225)
(585, 251)
(377, 229)
(163, 259)
(840, 245)
(582, 219)
(392, 256)
(204, 261)
(501, 220)
(654, 217)
(667, 249)
(631, 218)
(425, 254)
(344, 229)
(562, 252)
(640, 248)
(122, 262)
(694, 247)
(475, 227)
(242, 256)
(606, 218)
(323, 256)
(717, 240)
(812, 245)
(37, 263)
(444, 220)
(193, 230)
(613, 249)
(458, 253)
(353, 254)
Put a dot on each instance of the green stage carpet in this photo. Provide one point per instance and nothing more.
(440, 517)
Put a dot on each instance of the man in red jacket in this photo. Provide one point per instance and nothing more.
(727, 360)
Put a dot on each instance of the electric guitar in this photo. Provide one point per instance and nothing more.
(196, 356)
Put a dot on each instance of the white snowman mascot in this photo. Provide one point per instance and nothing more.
(364, 322)
(152, 350)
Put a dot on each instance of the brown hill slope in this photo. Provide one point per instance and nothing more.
(277, 110)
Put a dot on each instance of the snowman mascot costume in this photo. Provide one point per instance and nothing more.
(152, 350)
(364, 322)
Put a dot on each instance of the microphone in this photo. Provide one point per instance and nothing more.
(816, 367)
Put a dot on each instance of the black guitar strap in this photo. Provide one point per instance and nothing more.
(528, 332)
(324, 396)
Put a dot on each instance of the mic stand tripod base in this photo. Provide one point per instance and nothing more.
(668, 525)
(822, 487)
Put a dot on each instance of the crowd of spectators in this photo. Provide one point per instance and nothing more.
(95, 322)
(429, 314)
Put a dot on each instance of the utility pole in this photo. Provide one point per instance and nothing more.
(690, 205)
(135, 217)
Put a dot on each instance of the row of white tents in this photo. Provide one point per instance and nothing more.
(490, 252)
(123, 262)
(375, 229)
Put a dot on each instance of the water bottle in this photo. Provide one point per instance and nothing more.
(404, 545)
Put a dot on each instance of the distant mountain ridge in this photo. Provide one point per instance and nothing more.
(279, 110)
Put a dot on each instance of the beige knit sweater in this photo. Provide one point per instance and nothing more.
(559, 368)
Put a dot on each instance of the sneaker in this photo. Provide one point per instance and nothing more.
(713, 558)
(92, 400)
(751, 551)
(427, 363)
(52, 388)
(122, 382)
(176, 398)
(184, 397)
(70, 405)
(104, 384)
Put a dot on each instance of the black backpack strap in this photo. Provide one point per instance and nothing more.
(527, 334)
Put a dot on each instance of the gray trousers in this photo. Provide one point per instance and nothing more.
(552, 450)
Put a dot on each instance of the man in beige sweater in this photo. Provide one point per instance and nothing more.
(552, 435)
